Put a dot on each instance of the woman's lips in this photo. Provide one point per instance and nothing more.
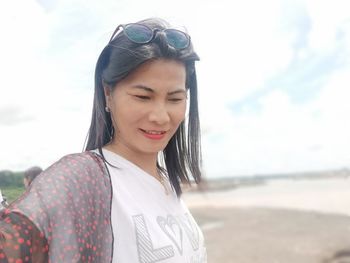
(153, 134)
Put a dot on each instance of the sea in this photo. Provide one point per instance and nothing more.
(325, 195)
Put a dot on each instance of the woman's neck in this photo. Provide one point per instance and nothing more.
(147, 162)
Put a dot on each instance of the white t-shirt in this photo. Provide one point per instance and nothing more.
(149, 223)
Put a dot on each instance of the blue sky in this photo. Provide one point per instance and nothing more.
(273, 79)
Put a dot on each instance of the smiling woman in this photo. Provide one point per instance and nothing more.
(120, 200)
(147, 108)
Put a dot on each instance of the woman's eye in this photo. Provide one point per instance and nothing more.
(176, 99)
(142, 97)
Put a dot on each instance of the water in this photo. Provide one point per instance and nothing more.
(322, 195)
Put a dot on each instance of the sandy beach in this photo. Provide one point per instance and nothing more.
(304, 221)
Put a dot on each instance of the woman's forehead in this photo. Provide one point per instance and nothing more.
(157, 75)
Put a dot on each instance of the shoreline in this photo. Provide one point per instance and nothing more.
(329, 196)
(277, 222)
(261, 235)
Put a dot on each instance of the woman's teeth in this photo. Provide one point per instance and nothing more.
(154, 132)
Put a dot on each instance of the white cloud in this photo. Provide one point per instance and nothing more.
(327, 19)
(285, 137)
(23, 36)
(49, 52)
(281, 135)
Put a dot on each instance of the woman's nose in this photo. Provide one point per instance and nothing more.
(159, 114)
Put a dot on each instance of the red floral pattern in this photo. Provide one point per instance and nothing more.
(63, 217)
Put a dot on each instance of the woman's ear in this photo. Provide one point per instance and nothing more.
(108, 95)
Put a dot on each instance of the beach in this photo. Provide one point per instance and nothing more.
(281, 221)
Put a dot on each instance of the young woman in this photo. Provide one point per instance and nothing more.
(30, 174)
(120, 200)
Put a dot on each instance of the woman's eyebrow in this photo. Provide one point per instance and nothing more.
(177, 91)
(142, 87)
(148, 89)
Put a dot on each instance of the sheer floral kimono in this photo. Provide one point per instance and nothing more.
(65, 216)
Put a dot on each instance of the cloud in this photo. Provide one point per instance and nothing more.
(272, 79)
(11, 116)
(329, 19)
(48, 5)
(284, 136)
(295, 117)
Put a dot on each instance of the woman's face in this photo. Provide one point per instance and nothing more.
(148, 106)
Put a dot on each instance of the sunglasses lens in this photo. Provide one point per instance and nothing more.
(177, 39)
(138, 33)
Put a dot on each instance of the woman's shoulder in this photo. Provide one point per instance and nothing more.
(84, 157)
(79, 167)
(79, 161)
(72, 178)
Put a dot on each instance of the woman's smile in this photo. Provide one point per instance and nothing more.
(154, 135)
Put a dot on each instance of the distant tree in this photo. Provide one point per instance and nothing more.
(9, 178)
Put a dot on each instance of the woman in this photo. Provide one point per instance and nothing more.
(120, 200)
(30, 174)
(3, 202)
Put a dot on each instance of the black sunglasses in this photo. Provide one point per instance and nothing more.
(142, 34)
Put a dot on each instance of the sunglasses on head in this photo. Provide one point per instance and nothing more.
(142, 34)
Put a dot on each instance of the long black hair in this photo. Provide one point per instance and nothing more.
(182, 155)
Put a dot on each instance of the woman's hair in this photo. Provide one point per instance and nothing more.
(182, 155)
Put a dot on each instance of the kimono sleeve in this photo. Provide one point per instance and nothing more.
(64, 216)
(20, 240)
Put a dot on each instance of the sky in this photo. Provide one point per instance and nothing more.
(273, 79)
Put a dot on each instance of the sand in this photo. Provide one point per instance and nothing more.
(265, 235)
(244, 233)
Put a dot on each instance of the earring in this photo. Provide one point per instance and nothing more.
(111, 134)
(107, 109)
